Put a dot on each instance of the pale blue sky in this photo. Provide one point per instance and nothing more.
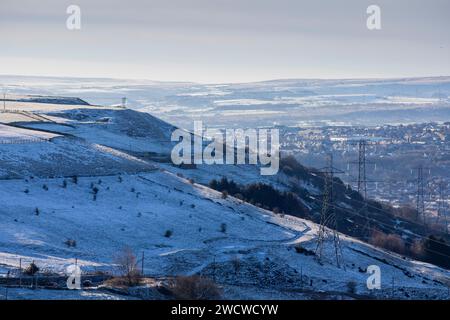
(225, 40)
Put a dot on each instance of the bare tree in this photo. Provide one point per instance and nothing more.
(128, 266)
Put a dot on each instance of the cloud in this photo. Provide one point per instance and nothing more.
(226, 40)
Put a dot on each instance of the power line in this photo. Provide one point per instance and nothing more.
(420, 195)
(441, 212)
(362, 181)
(379, 222)
(392, 228)
(328, 216)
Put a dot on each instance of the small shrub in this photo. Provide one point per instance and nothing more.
(194, 288)
(31, 270)
(306, 252)
(418, 249)
(71, 243)
(87, 284)
(75, 179)
(392, 242)
(45, 187)
(94, 193)
(223, 227)
(224, 194)
(351, 287)
(191, 181)
(36, 211)
(26, 191)
(64, 184)
(168, 233)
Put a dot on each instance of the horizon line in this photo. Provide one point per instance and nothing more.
(226, 83)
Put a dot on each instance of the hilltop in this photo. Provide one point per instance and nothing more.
(101, 176)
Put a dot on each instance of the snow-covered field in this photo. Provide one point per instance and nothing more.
(119, 200)
(12, 134)
(43, 294)
(64, 157)
(137, 210)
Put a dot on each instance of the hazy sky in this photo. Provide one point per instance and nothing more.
(225, 40)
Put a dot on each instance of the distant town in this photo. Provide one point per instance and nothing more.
(393, 156)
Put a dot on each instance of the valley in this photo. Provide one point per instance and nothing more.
(80, 182)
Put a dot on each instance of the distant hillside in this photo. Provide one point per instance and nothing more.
(45, 99)
(101, 178)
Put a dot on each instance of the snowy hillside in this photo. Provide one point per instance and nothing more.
(137, 210)
(94, 175)
(27, 153)
(305, 102)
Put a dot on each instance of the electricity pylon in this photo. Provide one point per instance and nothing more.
(328, 218)
(420, 195)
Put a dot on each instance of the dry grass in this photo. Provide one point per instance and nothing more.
(194, 288)
(391, 242)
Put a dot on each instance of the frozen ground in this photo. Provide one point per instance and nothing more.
(64, 156)
(136, 211)
(119, 200)
(43, 294)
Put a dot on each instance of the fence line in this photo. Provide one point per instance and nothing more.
(14, 140)
(17, 277)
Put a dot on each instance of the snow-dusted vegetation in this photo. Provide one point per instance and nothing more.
(91, 181)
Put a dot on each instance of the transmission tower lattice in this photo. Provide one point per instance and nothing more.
(362, 181)
(362, 184)
(420, 196)
(328, 220)
(441, 212)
